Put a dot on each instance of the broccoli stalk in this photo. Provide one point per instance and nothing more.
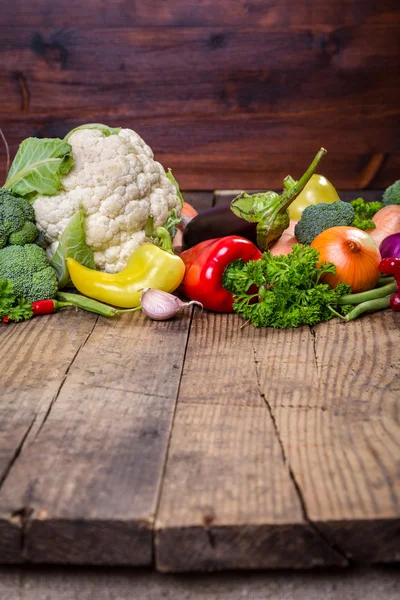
(17, 220)
(28, 269)
(318, 217)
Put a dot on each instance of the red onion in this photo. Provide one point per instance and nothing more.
(390, 246)
(160, 306)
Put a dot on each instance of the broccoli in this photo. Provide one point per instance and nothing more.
(318, 217)
(17, 220)
(28, 269)
(364, 213)
(392, 194)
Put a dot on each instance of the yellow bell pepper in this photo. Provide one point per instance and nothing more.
(148, 267)
(318, 189)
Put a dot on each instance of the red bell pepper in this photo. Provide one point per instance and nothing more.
(205, 265)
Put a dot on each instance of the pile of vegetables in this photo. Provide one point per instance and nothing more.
(96, 211)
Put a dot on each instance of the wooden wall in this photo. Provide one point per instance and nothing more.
(229, 93)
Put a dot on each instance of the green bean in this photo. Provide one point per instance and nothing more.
(93, 305)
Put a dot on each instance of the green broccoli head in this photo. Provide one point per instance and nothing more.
(364, 213)
(392, 194)
(28, 269)
(318, 217)
(17, 220)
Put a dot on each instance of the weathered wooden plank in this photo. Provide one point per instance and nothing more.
(239, 71)
(229, 108)
(177, 13)
(216, 162)
(88, 485)
(228, 500)
(35, 357)
(334, 395)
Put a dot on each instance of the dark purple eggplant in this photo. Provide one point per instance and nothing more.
(217, 222)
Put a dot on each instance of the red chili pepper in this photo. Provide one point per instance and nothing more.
(390, 266)
(205, 265)
(44, 307)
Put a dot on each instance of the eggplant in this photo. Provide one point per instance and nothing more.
(217, 222)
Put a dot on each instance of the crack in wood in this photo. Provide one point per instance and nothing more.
(23, 516)
(314, 343)
(330, 544)
(17, 452)
(56, 395)
(153, 545)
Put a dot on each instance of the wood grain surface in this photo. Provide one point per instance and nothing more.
(85, 415)
(199, 444)
(313, 412)
(228, 94)
(89, 481)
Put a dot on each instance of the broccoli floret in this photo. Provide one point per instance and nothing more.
(364, 213)
(318, 217)
(17, 220)
(28, 269)
(392, 194)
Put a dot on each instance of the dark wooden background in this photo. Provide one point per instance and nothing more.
(229, 93)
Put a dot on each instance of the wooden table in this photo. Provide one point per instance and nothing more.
(198, 444)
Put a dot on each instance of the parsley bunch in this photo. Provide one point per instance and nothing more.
(11, 307)
(284, 291)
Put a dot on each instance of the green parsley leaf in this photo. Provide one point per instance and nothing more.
(289, 291)
(12, 308)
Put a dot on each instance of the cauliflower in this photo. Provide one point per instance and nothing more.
(119, 185)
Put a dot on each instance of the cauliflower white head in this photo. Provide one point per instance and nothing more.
(119, 185)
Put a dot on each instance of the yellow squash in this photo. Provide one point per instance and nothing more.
(148, 267)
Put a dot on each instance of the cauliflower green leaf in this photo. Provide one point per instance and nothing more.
(105, 129)
(38, 166)
(176, 184)
(72, 245)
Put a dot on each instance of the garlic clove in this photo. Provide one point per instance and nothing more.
(160, 306)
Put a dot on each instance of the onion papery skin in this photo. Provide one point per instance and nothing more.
(354, 254)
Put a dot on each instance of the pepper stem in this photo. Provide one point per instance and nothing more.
(159, 235)
(292, 193)
(289, 182)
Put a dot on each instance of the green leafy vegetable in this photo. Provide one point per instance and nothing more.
(11, 307)
(289, 291)
(176, 184)
(364, 213)
(72, 245)
(17, 220)
(38, 166)
(392, 194)
(105, 129)
(29, 270)
(316, 218)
